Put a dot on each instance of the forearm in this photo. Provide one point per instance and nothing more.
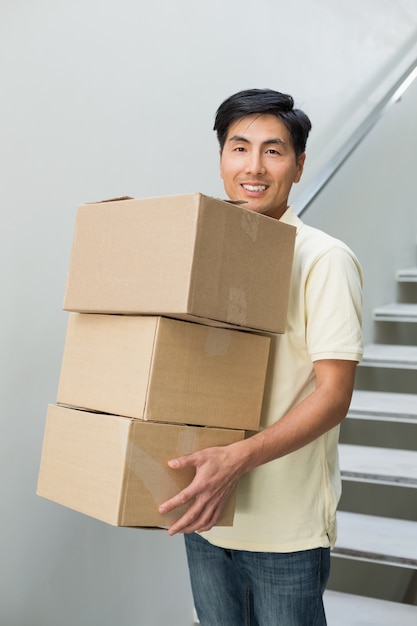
(313, 417)
(319, 412)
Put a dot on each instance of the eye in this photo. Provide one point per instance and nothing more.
(273, 151)
(239, 149)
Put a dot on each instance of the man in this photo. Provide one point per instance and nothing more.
(272, 566)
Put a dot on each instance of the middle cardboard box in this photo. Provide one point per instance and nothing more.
(164, 370)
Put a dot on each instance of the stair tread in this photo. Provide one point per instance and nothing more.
(378, 465)
(408, 274)
(377, 539)
(345, 609)
(389, 355)
(396, 311)
(383, 405)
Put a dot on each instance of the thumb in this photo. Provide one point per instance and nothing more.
(181, 462)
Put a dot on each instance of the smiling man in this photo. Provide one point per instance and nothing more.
(272, 566)
(258, 164)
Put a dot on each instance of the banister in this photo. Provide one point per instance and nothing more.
(306, 197)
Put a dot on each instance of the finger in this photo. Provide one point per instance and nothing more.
(182, 461)
(186, 524)
(179, 499)
(196, 519)
(183, 496)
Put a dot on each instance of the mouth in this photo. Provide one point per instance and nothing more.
(254, 188)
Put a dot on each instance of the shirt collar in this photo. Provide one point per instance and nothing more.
(289, 217)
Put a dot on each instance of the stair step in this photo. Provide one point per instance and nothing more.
(396, 312)
(393, 356)
(376, 539)
(381, 405)
(407, 275)
(384, 466)
(345, 609)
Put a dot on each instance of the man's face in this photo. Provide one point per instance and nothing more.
(258, 164)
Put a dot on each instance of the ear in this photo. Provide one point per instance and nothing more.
(220, 163)
(300, 167)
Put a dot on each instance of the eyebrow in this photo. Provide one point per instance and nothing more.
(274, 141)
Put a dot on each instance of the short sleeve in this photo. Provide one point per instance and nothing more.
(333, 305)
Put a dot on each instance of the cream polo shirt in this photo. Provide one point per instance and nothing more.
(289, 504)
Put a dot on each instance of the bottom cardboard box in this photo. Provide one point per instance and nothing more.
(115, 468)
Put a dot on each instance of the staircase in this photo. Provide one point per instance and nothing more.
(377, 520)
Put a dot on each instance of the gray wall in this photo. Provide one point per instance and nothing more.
(100, 99)
(371, 203)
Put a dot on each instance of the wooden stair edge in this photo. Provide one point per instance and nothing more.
(382, 405)
(394, 310)
(389, 355)
(407, 275)
(345, 609)
(375, 539)
(372, 464)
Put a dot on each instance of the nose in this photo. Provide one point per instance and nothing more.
(254, 164)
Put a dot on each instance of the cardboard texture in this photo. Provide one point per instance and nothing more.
(164, 370)
(115, 468)
(187, 257)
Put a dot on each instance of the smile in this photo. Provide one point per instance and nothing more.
(254, 187)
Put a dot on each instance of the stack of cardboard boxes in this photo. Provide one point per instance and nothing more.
(171, 301)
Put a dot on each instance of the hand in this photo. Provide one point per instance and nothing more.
(217, 472)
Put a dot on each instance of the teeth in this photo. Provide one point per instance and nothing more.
(254, 187)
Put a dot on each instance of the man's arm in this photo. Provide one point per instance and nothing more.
(218, 469)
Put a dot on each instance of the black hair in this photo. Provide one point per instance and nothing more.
(263, 101)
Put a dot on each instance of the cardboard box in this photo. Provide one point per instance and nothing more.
(164, 370)
(187, 257)
(115, 469)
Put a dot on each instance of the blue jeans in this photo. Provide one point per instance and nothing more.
(239, 588)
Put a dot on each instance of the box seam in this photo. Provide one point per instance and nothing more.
(125, 479)
(151, 364)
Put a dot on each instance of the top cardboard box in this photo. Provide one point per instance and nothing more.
(188, 257)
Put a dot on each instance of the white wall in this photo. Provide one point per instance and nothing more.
(100, 99)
